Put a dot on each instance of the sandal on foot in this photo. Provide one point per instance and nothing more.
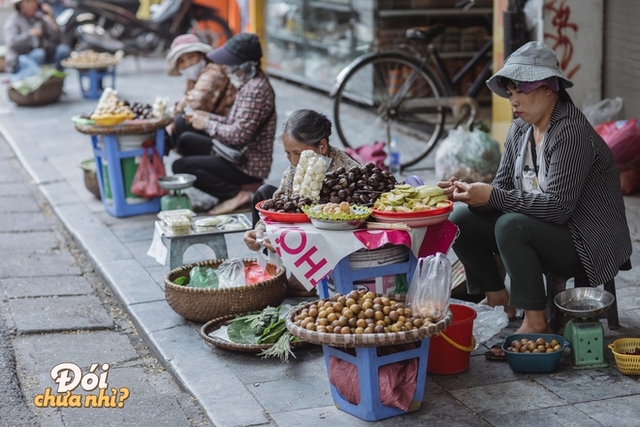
(490, 355)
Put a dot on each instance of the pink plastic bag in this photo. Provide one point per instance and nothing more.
(369, 154)
(397, 381)
(623, 138)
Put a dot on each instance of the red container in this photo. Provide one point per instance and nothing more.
(450, 351)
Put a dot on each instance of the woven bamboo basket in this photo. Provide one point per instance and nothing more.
(215, 324)
(366, 340)
(202, 305)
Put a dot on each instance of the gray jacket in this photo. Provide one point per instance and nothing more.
(19, 41)
(582, 190)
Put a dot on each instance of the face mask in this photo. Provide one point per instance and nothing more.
(193, 71)
(236, 81)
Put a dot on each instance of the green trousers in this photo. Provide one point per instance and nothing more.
(527, 247)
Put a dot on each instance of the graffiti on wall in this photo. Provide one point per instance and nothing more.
(559, 37)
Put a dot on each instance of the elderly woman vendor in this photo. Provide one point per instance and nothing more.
(555, 203)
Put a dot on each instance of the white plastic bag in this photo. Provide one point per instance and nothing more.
(489, 320)
(430, 288)
(602, 111)
(231, 274)
(472, 156)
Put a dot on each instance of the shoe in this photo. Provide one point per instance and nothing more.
(490, 355)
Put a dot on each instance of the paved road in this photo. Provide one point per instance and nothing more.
(54, 309)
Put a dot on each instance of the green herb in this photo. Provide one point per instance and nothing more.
(265, 327)
(180, 280)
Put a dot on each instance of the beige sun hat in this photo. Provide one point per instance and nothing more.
(532, 62)
(182, 44)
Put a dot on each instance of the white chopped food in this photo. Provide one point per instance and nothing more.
(310, 172)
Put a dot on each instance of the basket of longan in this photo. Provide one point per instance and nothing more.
(627, 354)
(362, 319)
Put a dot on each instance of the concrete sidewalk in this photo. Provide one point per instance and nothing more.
(238, 389)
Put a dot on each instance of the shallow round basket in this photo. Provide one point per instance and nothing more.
(88, 167)
(202, 305)
(365, 340)
(215, 324)
(48, 93)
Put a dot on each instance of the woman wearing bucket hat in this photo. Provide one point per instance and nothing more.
(249, 128)
(555, 203)
(32, 38)
(207, 87)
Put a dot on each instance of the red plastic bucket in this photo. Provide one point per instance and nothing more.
(450, 351)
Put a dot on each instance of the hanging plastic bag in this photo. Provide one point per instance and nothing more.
(469, 155)
(203, 277)
(145, 182)
(489, 320)
(602, 111)
(430, 288)
(623, 138)
(231, 274)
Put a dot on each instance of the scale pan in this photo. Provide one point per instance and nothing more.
(584, 302)
(177, 181)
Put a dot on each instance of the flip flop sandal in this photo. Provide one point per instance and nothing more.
(489, 355)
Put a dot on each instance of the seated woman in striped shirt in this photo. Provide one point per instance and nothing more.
(555, 203)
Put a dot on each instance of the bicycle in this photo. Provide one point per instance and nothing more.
(393, 93)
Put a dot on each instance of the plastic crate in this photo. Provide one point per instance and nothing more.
(628, 364)
(367, 362)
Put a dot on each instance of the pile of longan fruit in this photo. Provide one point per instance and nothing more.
(538, 345)
(359, 312)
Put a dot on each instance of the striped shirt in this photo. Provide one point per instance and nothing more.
(251, 123)
(582, 190)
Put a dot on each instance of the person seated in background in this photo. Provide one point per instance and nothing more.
(249, 127)
(303, 130)
(555, 203)
(32, 37)
(207, 88)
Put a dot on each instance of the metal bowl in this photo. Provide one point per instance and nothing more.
(584, 302)
(177, 181)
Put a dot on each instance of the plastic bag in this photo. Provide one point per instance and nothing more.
(231, 274)
(489, 320)
(623, 138)
(397, 381)
(254, 273)
(471, 156)
(602, 111)
(630, 178)
(430, 288)
(145, 182)
(369, 154)
(203, 277)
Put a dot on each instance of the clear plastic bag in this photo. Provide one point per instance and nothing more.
(231, 274)
(489, 320)
(472, 156)
(430, 288)
(602, 111)
(203, 277)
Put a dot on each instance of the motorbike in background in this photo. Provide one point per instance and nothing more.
(109, 26)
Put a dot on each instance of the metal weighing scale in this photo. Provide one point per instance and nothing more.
(175, 183)
(584, 331)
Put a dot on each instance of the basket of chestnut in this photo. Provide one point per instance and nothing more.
(362, 319)
(534, 353)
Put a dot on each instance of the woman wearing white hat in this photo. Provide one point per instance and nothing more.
(555, 203)
(207, 87)
(32, 38)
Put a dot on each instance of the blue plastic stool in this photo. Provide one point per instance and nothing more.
(368, 362)
(118, 205)
(94, 79)
(343, 276)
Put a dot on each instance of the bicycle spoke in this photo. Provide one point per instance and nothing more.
(372, 105)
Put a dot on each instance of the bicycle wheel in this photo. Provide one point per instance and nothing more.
(378, 100)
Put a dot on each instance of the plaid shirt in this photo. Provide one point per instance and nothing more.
(212, 92)
(251, 123)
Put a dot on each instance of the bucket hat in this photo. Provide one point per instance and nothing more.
(532, 62)
(237, 50)
(185, 43)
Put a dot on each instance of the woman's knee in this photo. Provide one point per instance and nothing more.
(511, 226)
(38, 55)
(179, 166)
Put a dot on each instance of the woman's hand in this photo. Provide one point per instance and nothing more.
(197, 119)
(255, 240)
(475, 194)
(448, 187)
